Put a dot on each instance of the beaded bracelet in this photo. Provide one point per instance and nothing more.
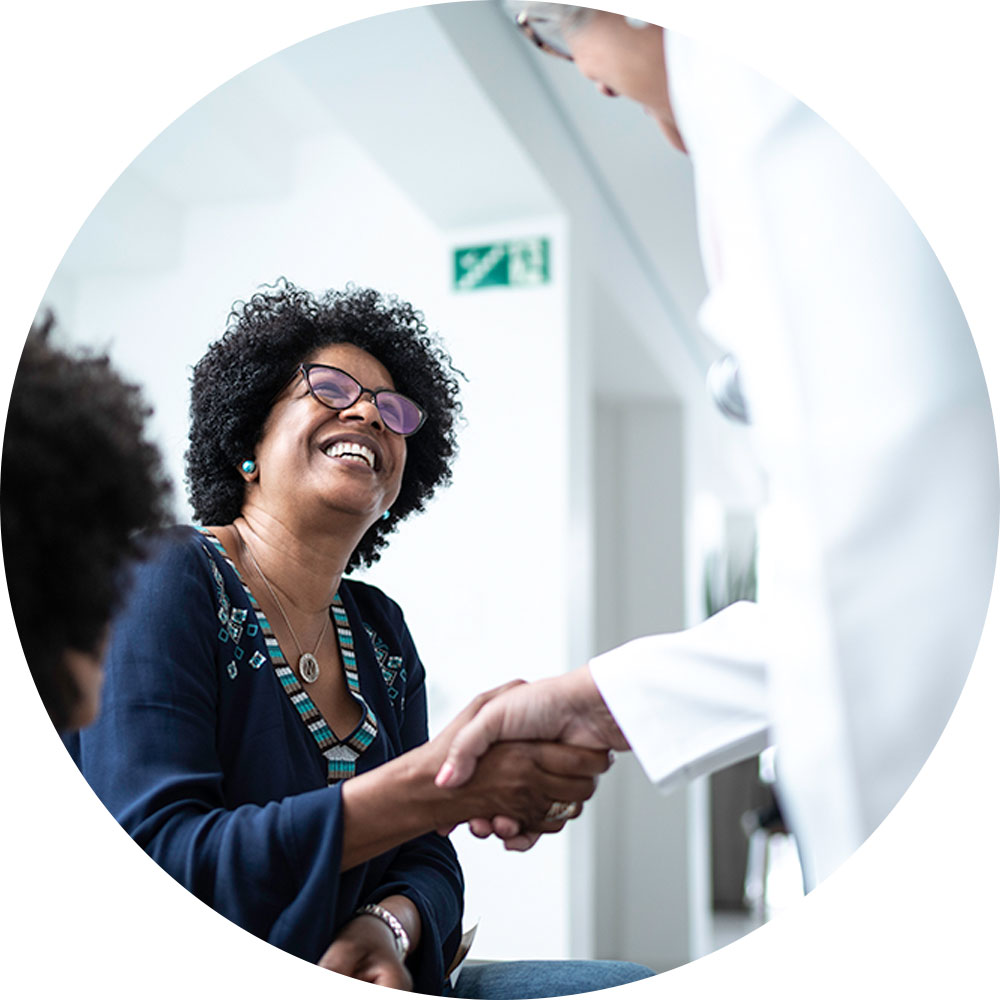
(400, 937)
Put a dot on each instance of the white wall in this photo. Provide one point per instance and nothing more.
(483, 575)
(651, 900)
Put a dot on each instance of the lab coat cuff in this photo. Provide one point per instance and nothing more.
(690, 702)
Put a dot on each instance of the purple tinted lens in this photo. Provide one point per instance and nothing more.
(334, 387)
(400, 414)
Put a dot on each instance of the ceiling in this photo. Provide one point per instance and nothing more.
(449, 92)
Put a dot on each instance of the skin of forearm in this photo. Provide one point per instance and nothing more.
(382, 809)
(394, 803)
(585, 702)
(568, 708)
(398, 801)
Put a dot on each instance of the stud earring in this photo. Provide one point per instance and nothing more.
(249, 466)
(385, 516)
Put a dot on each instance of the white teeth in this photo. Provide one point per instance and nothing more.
(351, 450)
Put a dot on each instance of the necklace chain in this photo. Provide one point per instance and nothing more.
(308, 664)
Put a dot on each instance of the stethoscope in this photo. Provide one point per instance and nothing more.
(723, 383)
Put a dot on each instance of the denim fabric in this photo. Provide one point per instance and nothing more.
(522, 980)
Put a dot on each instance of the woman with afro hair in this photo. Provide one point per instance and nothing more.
(264, 736)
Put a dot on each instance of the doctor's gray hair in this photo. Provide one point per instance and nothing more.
(566, 17)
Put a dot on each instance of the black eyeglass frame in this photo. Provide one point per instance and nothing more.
(523, 22)
(304, 370)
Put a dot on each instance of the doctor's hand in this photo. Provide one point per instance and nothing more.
(531, 785)
(568, 709)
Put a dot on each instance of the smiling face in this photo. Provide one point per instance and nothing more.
(314, 460)
(626, 62)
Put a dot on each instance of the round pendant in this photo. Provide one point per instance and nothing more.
(308, 668)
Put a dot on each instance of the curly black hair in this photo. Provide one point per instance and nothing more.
(234, 385)
(78, 479)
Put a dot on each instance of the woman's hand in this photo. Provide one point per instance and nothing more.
(507, 830)
(527, 771)
(365, 949)
(521, 780)
(519, 836)
(568, 708)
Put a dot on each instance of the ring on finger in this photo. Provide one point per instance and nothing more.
(562, 810)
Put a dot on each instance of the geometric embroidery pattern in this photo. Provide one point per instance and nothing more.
(231, 622)
(393, 671)
(340, 755)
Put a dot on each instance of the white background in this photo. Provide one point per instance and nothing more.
(912, 85)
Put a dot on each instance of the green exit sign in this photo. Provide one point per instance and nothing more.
(512, 262)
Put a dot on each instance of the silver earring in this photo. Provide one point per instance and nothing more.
(249, 466)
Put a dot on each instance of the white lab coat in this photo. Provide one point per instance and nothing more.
(870, 414)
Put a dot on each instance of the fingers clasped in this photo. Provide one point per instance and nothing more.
(531, 788)
(522, 780)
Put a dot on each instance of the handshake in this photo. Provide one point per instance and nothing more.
(525, 757)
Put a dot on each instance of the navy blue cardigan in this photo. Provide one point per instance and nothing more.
(206, 763)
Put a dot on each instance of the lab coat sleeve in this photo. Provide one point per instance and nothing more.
(871, 417)
(690, 702)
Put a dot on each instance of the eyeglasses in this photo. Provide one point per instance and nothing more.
(544, 34)
(338, 390)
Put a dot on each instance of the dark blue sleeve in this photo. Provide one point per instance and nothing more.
(426, 869)
(152, 758)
